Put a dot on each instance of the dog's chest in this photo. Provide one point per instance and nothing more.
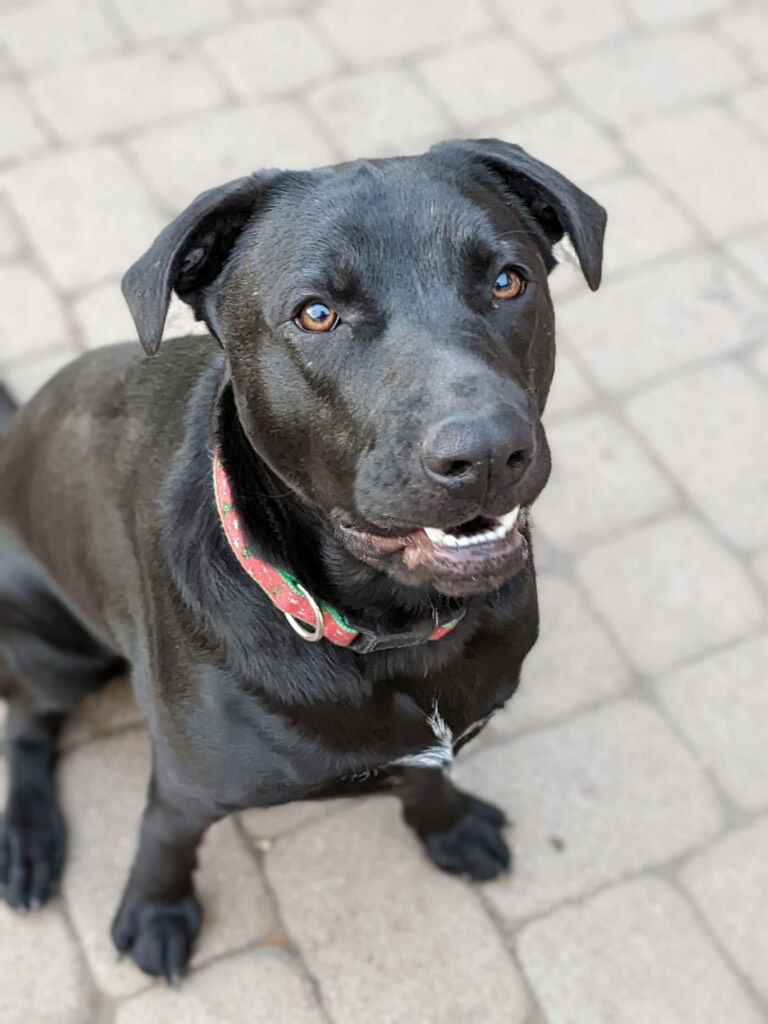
(419, 738)
(440, 754)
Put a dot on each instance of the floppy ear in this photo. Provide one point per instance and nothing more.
(188, 254)
(555, 202)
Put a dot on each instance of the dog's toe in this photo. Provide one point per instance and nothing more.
(490, 812)
(474, 845)
(158, 936)
(31, 855)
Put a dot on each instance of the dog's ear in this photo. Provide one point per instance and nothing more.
(555, 202)
(189, 254)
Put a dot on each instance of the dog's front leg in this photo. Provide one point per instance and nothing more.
(460, 833)
(159, 915)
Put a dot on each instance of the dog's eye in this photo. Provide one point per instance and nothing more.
(316, 316)
(508, 285)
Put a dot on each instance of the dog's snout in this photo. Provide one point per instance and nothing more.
(466, 454)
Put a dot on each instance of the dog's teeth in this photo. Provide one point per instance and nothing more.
(497, 532)
(478, 538)
(509, 520)
(436, 536)
(441, 538)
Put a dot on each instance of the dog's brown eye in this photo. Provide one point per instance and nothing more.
(316, 316)
(508, 285)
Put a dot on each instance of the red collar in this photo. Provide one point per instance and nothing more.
(295, 602)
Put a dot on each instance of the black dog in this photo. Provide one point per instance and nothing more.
(372, 428)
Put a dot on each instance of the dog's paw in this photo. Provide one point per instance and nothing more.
(474, 846)
(158, 936)
(31, 851)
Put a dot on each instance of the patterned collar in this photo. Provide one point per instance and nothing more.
(297, 604)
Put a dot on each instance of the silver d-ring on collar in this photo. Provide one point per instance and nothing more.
(310, 635)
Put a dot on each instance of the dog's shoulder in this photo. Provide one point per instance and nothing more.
(76, 442)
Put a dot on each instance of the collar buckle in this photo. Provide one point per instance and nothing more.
(318, 631)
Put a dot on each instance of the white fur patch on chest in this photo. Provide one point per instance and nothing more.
(438, 756)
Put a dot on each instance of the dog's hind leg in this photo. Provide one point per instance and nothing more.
(31, 829)
(461, 833)
(48, 662)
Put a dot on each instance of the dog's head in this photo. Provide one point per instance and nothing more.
(390, 339)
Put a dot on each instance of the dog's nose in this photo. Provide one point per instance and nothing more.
(470, 453)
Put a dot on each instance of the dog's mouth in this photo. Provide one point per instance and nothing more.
(478, 533)
(473, 556)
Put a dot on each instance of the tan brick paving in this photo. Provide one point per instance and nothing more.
(260, 985)
(670, 591)
(290, 55)
(632, 762)
(395, 942)
(237, 140)
(116, 94)
(653, 13)
(459, 77)
(644, 225)
(631, 955)
(56, 32)
(366, 33)
(570, 635)
(729, 883)
(19, 132)
(147, 19)
(85, 210)
(44, 978)
(562, 26)
(759, 360)
(601, 482)
(31, 315)
(752, 254)
(721, 705)
(725, 192)
(382, 111)
(571, 392)
(730, 410)
(747, 27)
(753, 105)
(606, 794)
(622, 84)
(760, 566)
(9, 236)
(641, 327)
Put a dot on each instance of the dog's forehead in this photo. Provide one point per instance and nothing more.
(403, 208)
(406, 196)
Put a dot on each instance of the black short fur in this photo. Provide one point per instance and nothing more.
(112, 550)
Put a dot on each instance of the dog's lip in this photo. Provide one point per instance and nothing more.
(471, 544)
